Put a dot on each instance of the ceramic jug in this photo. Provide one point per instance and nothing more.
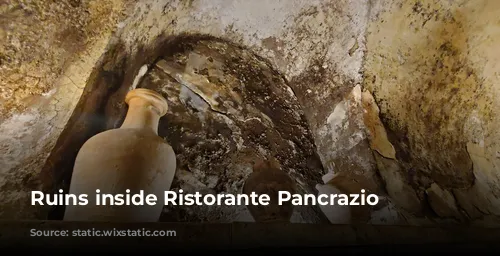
(132, 157)
(268, 178)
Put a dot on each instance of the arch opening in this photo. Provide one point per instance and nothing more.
(228, 108)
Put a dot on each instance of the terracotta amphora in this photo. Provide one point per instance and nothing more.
(125, 161)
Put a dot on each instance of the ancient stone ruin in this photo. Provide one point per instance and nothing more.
(400, 98)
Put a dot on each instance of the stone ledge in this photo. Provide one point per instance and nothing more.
(204, 236)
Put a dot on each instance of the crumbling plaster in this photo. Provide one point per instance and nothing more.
(431, 66)
(47, 51)
(293, 35)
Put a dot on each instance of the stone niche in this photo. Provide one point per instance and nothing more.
(290, 89)
(228, 108)
(307, 60)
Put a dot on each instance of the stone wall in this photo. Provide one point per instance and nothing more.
(427, 68)
(47, 51)
(316, 45)
(432, 68)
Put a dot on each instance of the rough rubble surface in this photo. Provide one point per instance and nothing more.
(39, 38)
(47, 51)
(228, 110)
(155, 25)
(400, 97)
(431, 68)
